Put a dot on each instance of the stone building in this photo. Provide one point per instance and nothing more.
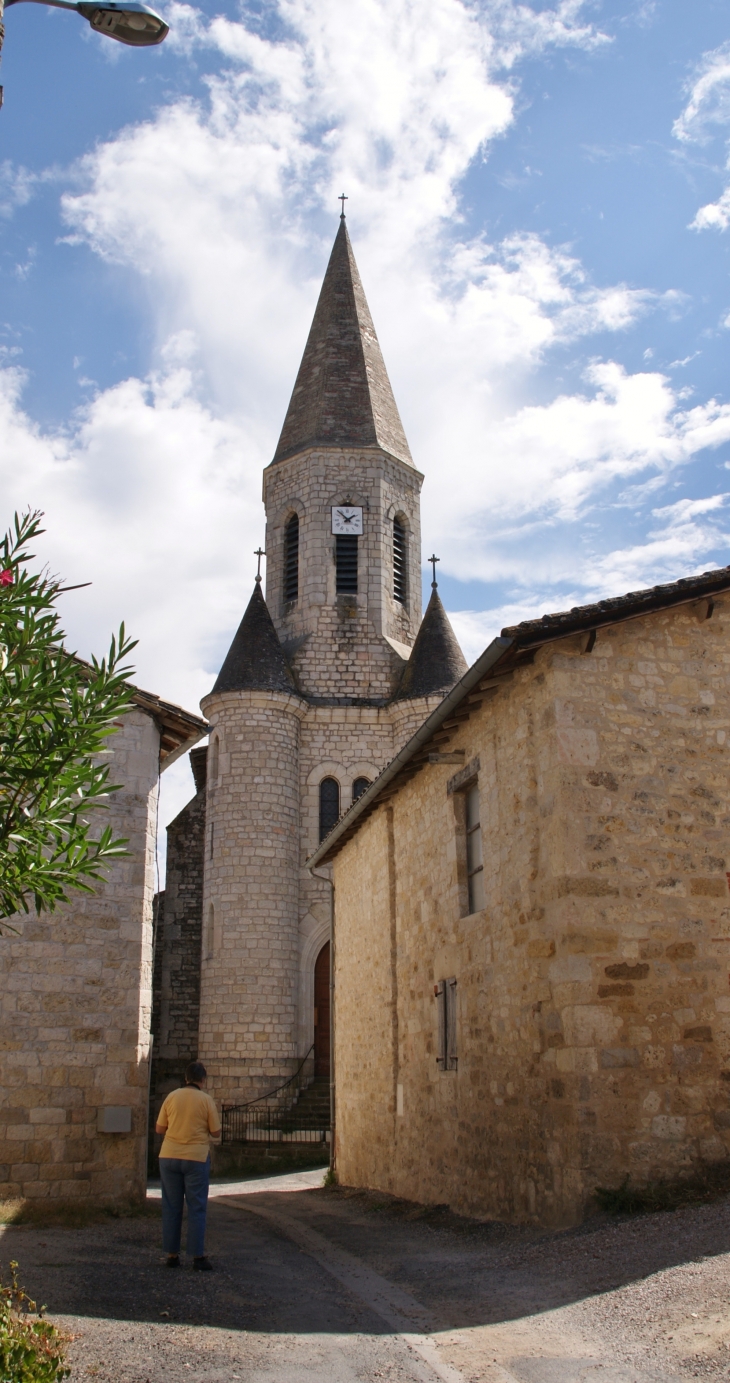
(532, 922)
(324, 681)
(75, 998)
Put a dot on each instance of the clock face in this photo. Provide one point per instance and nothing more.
(346, 518)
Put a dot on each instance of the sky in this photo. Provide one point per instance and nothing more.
(539, 204)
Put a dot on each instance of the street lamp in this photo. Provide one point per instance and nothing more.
(129, 22)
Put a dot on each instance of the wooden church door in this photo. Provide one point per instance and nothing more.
(322, 1012)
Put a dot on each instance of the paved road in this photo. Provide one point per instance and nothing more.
(333, 1287)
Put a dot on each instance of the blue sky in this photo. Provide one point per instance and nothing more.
(539, 201)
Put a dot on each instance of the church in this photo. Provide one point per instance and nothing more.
(327, 677)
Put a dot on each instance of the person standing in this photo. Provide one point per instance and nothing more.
(188, 1119)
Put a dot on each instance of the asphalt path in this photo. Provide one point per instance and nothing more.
(333, 1286)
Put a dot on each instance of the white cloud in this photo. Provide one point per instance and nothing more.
(16, 187)
(709, 98)
(544, 464)
(715, 215)
(153, 489)
(146, 494)
(683, 535)
(708, 106)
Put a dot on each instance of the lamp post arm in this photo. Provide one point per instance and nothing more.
(55, 4)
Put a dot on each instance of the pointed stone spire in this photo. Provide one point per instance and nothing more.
(342, 396)
(436, 662)
(255, 660)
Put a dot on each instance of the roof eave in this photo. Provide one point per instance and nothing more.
(368, 799)
(701, 587)
(344, 446)
(179, 730)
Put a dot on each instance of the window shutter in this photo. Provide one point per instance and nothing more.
(440, 992)
(399, 561)
(291, 558)
(451, 1048)
(346, 564)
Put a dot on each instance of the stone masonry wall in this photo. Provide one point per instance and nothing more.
(248, 1016)
(593, 999)
(75, 996)
(178, 941)
(337, 644)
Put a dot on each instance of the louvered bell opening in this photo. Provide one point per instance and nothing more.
(329, 806)
(399, 561)
(291, 558)
(346, 558)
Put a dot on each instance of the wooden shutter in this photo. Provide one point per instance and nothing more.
(440, 992)
(451, 1048)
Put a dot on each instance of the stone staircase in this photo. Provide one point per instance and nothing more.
(311, 1109)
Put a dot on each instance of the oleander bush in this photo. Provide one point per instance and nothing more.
(31, 1349)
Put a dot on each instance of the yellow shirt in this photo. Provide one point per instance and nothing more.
(189, 1117)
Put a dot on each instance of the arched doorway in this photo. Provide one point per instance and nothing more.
(322, 1012)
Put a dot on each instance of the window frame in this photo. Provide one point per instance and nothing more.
(325, 824)
(360, 779)
(476, 895)
(445, 992)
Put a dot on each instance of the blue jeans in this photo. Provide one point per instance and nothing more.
(184, 1180)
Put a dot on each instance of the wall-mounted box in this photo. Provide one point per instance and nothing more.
(115, 1119)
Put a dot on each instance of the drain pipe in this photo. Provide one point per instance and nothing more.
(326, 880)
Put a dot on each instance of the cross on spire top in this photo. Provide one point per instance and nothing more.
(342, 198)
(259, 553)
(433, 561)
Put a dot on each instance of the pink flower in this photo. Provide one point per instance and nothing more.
(6, 577)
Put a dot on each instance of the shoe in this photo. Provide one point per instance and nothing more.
(202, 1265)
(173, 1260)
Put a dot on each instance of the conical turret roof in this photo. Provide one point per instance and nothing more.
(436, 662)
(255, 660)
(342, 396)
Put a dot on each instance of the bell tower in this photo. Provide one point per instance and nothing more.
(343, 535)
(323, 683)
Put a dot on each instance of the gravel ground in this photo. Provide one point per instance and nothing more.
(335, 1286)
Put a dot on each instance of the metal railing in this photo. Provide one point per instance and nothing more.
(274, 1117)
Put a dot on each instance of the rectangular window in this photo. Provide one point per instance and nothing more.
(445, 991)
(346, 562)
(474, 856)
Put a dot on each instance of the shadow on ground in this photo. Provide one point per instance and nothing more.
(464, 1272)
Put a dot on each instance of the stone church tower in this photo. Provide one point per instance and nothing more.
(324, 681)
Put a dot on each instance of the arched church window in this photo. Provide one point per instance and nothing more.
(213, 770)
(329, 805)
(346, 563)
(399, 561)
(359, 787)
(291, 558)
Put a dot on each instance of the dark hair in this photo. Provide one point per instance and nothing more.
(195, 1072)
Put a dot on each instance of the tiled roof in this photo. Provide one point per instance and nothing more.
(620, 606)
(342, 395)
(503, 654)
(255, 660)
(436, 661)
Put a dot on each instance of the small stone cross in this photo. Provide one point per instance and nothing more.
(259, 553)
(342, 198)
(433, 561)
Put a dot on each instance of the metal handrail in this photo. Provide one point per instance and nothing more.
(261, 1099)
(272, 1118)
